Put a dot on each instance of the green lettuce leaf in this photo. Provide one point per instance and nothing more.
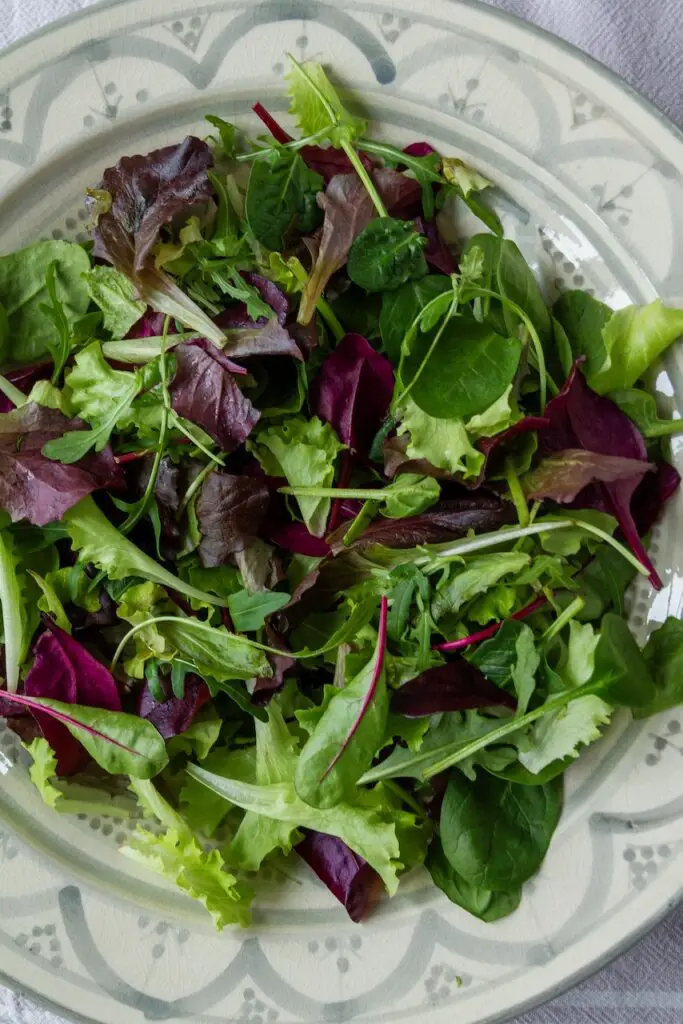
(477, 576)
(304, 451)
(634, 338)
(71, 797)
(115, 295)
(444, 443)
(317, 107)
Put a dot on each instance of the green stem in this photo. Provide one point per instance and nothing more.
(667, 429)
(194, 487)
(365, 178)
(562, 619)
(330, 318)
(354, 493)
(178, 424)
(12, 392)
(517, 493)
(364, 517)
(294, 145)
(407, 798)
(395, 155)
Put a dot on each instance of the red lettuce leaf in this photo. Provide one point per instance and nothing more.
(36, 488)
(447, 520)
(147, 192)
(150, 325)
(419, 149)
(295, 537)
(580, 418)
(349, 878)
(457, 686)
(267, 339)
(562, 475)
(204, 392)
(218, 355)
(652, 495)
(353, 391)
(24, 379)
(64, 670)
(230, 510)
(174, 715)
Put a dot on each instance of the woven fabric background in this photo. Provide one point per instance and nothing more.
(643, 41)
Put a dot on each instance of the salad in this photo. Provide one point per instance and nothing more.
(317, 524)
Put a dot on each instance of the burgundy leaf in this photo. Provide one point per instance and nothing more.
(167, 494)
(230, 510)
(349, 878)
(147, 192)
(419, 149)
(206, 394)
(295, 537)
(652, 495)
(150, 325)
(579, 418)
(447, 520)
(218, 355)
(24, 379)
(456, 686)
(489, 631)
(174, 715)
(64, 670)
(36, 488)
(437, 252)
(562, 475)
(353, 391)
(380, 652)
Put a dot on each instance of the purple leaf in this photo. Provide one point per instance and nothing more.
(652, 495)
(580, 418)
(24, 379)
(150, 325)
(64, 670)
(147, 192)
(295, 537)
(167, 494)
(218, 355)
(206, 394)
(174, 715)
(419, 149)
(230, 510)
(349, 878)
(396, 460)
(456, 686)
(562, 475)
(447, 520)
(36, 488)
(437, 251)
(353, 391)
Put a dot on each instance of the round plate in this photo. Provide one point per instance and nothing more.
(589, 185)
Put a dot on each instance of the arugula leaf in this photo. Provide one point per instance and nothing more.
(482, 903)
(634, 338)
(495, 834)
(281, 198)
(178, 856)
(469, 368)
(347, 735)
(386, 255)
(641, 407)
(116, 297)
(317, 107)
(304, 451)
(250, 611)
(98, 541)
(24, 293)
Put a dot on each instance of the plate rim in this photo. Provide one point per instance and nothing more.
(650, 109)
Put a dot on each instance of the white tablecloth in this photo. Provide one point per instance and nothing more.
(643, 41)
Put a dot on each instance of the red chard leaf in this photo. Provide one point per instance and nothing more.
(562, 475)
(437, 252)
(457, 686)
(419, 149)
(204, 392)
(64, 670)
(230, 510)
(36, 488)
(295, 537)
(353, 391)
(652, 495)
(349, 878)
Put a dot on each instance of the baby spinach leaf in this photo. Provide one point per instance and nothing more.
(347, 735)
(641, 407)
(664, 655)
(482, 903)
(469, 368)
(583, 319)
(386, 254)
(401, 307)
(495, 834)
(281, 197)
(24, 294)
(622, 676)
(250, 611)
(517, 283)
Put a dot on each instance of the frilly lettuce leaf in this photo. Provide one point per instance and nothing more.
(317, 107)
(71, 797)
(444, 443)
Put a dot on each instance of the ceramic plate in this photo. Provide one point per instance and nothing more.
(590, 186)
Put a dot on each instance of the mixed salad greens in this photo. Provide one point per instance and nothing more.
(318, 522)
